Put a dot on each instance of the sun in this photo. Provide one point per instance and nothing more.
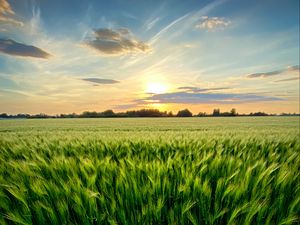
(156, 88)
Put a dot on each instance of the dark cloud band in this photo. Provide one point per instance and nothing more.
(200, 90)
(274, 73)
(11, 47)
(199, 98)
(101, 81)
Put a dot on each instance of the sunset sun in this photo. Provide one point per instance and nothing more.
(156, 88)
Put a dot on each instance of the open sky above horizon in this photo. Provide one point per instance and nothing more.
(73, 56)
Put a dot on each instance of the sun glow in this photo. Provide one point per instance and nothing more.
(156, 88)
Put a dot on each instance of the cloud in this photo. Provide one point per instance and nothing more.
(101, 81)
(11, 47)
(288, 79)
(266, 74)
(199, 98)
(7, 14)
(126, 106)
(183, 23)
(5, 8)
(166, 28)
(151, 23)
(116, 42)
(212, 23)
(290, 69)
(7, 20)
(293, 68)
(200, 90)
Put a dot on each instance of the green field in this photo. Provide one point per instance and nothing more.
(150, 171)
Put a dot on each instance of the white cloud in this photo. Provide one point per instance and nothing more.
(212, 23)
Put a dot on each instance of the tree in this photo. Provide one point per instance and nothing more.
(216, 112)
(88, 114)
(184, 113)
(201, 114)
(233, 112)
(258, 114)
(108, 113)
(170, 114)
(3, 115)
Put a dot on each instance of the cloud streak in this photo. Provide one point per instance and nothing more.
(11, 47)
(200, 90)
(212, 23)
(116, 42)
(166, 28)
(101, 81)
(274, 73)
(288, 79)
(5, 8)
(7, 13)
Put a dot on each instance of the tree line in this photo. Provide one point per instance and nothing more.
(142, 113)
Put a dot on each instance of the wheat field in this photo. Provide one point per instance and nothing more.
(150, 171)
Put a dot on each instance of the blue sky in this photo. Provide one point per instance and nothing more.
(70, 56)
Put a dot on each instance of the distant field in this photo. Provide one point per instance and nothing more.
(242, 170)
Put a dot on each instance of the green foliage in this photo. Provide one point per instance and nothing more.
(150, 171)
(184, 113)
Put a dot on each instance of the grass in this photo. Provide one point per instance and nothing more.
(150, 171)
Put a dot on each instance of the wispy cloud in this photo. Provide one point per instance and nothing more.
(16, 92)
(288, 79)
(126, 106)
(164, 41)
(11, 47)
(166, 28)
(5, 8)
(7, 15)
(151, 23)
(101, 81)
(185, 21)
(291, 69)
(116, 42)
(157, 15)
(212, 23)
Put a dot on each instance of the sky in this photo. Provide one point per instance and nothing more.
(65, 56)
